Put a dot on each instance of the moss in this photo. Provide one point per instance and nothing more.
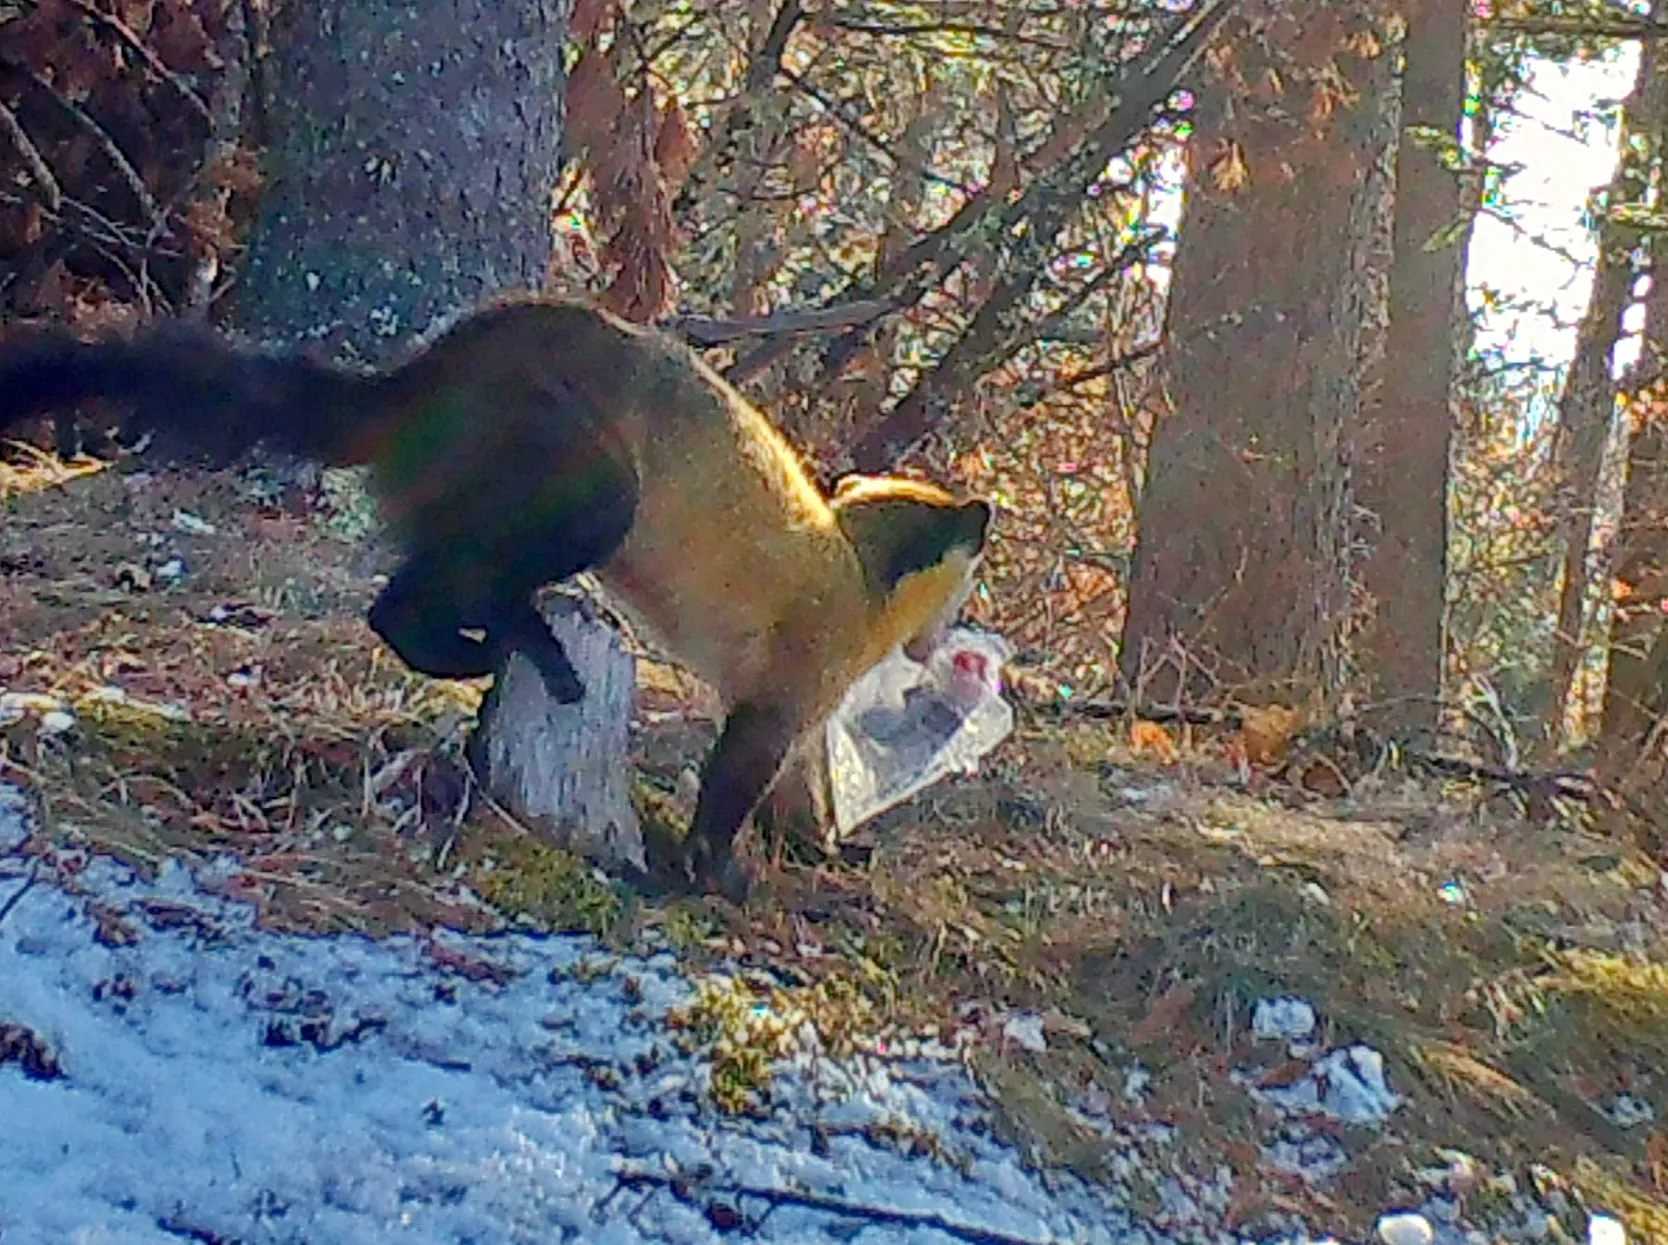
(745, 1031)
(1646, 1217)
(742, 1039)
(1628, 992)
(553, 889)
(688, 927)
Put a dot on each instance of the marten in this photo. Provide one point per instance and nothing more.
(541, 437)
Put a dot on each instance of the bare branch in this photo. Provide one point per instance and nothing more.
(1578, 27)
(1117, 363)
(712, 332)
(833, 108)
(33, 161)
(139, 47)
(977, 30)
(695, 1192)
(106, 144)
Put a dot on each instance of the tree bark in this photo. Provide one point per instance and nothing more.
(562, 769)
(1587, 407)
(1241, 573)
(1636, 689)
(1402, 459)
(413, 153)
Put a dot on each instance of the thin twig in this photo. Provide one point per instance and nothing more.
(1618, 27)
(715, 332)
(683, 1188)
(835, 110)
(106, 144)
(133, 41)
(1117, 363)
(32, 158)
(16, 896)
(977, 30)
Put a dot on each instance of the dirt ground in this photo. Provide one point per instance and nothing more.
(187, 674)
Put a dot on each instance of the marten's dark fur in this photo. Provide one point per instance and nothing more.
(540, 438)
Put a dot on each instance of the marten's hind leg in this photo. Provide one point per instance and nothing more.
(438, 628)
(549, 503)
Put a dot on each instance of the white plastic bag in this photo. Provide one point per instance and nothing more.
(904, 725)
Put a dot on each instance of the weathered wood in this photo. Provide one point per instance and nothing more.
(559, 769)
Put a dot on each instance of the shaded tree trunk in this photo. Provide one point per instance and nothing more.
(1587, 407)
(1402, 461)
(1275, 325)
(412, 155)
(1636, 689)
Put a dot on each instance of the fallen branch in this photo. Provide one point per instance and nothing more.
(711, 1197)
(1618, 27)
(1560, 783)
(28, 884)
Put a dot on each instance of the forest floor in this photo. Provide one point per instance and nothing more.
(1091, 925)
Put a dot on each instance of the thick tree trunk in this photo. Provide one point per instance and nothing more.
(1402, 461)
(412, 154)
(1587, 408)
(413, 150)
(1241, 575)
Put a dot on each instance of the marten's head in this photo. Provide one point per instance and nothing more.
(920, 548)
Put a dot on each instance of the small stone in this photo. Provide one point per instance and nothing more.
(724, 1217)
(1603, 1230)
(1026, 1029)
(1406, 1228)
(1284, 1018)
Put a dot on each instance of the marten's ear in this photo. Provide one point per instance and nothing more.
(901, 528)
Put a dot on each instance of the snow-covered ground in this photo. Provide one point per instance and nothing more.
(170, 1073)
(217, 1083)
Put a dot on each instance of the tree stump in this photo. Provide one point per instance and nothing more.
(562, 770)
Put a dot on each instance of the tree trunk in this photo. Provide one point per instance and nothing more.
(413, 151)
(1587, 408)
(1636, 689)
(1241, 574)
(412, 155)
(1402, 460)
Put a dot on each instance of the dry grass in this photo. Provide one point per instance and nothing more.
(1515, 978)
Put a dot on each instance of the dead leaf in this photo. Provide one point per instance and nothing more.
(1149, 737)
(1266, 732)
(1229, 172)
(1656, 1162)
(1321, 777)
(1288, 1073)
(1165, 1016)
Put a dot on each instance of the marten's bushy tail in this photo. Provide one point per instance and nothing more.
(202, 395)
